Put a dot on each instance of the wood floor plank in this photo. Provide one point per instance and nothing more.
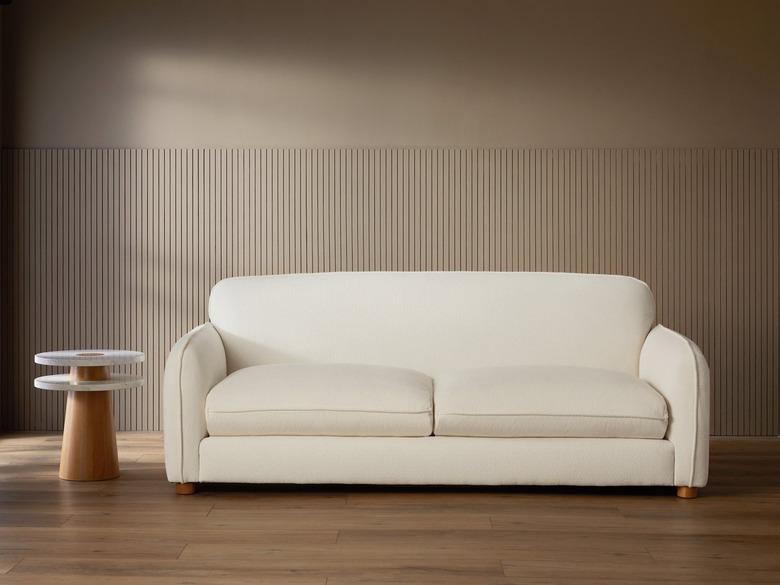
(32, 519)
(281, 567)
(492, 578)
(34, 579)
(275, 500)
(493, 543)
(336, 558)
(24, 548)
(166, 535)
(563, 571)
(284, 519)
(38, 572)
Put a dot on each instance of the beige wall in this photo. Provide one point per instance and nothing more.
(394, 72)
(120, 246)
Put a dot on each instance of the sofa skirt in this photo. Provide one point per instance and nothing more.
(436, 461)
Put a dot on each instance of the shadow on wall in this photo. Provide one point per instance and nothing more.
(352, 72)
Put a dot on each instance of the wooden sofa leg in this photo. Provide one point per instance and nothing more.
(185, 489)
(687, 492)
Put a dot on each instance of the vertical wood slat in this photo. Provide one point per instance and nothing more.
(120, 247)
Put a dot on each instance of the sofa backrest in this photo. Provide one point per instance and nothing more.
(434, 321)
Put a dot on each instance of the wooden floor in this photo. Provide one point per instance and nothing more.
(135, 530)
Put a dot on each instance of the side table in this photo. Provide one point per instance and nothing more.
(89, 439)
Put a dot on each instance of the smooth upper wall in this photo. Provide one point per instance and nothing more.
(401, 72)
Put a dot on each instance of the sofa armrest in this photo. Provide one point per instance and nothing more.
(675, 366)
(195, 365)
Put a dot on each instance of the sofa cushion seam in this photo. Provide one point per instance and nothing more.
(665, 418)
(256, 410)
(695, 409)
(181, 401)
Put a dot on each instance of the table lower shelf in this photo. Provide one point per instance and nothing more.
(64, 382)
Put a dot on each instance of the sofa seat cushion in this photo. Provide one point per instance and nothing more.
(321, 399)
(548, 401)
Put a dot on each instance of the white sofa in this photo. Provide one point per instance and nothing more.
(436, 378)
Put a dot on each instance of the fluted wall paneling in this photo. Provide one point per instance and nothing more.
(120, 247)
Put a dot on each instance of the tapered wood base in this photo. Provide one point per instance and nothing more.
(89, 441)
(687, 492)
(185, 489)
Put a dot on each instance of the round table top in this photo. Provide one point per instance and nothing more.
(63, 382)
(89, 357)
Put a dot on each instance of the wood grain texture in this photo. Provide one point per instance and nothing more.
(120, 247)
(185, 489)
(89, 450)
(136, 530)
(687, 492)
(90, 373)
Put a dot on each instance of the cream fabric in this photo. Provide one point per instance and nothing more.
(196, 363)
(437, 460)
(548, 401)
(434, 322)
(322, 399)
(676, 367)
